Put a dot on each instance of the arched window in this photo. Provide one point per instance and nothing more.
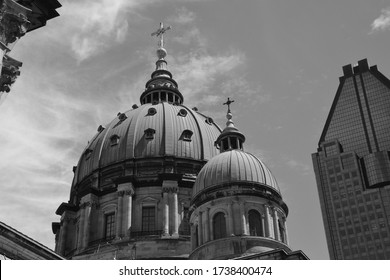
(152, 111)
(186, 135)
(114, 140)
(109, 231)
(219, 225)
(149, 133)
(255, 226)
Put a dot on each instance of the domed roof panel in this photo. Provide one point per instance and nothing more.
(114, 141)
(208, 134)
(234, 166)
(179, 121)
(150, 118)
(126, 137)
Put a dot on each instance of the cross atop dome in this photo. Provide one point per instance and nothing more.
(228, 102)
(160, 33)
(161, 87)
(230, 138)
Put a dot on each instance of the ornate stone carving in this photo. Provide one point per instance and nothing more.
(9, 73)
(13, 22)
(170, 189)
(129, 192)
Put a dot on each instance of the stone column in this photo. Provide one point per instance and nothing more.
(268, 225)
(170, 187)
(263, 225)
(207, 225)
(127, 206)
(175, 211)
(125, 203)
(119, 215)
(244, 227)
(230, 220)
(129, 212)
(165, 214)
(276, 224)
(200, 228)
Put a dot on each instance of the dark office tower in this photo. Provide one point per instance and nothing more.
(352, 166)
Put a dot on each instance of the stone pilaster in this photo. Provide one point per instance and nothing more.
(80, 236)
(230, 219)
(63, 234)
(207, 225)
(86, 204)
(119, 215)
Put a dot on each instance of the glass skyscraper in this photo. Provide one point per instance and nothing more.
(352, 166)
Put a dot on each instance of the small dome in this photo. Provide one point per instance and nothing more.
(234, 167)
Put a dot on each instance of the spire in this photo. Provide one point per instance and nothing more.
(161, 87)
(230, 138)
(161, 64)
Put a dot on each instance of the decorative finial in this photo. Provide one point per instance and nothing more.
(160, 33)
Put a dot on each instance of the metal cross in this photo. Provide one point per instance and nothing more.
(228, 102)
(160, 33)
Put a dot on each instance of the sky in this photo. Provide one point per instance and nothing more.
(279, 60)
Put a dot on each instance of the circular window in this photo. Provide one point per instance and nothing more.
(182, 113)
(152, 111)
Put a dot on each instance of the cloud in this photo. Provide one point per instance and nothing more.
(382, 22)
(92, 26)
(200, 72)
(182, 16)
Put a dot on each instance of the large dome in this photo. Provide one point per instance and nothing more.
(150, 131)
(234, 167)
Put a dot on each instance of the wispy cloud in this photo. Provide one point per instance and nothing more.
(382, 22)
(199, 73)
(182, 16)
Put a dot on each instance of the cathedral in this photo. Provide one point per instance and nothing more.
(164, 181)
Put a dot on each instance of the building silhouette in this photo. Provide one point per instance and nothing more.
(17, 17)
(141, 189)
(352, 166)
